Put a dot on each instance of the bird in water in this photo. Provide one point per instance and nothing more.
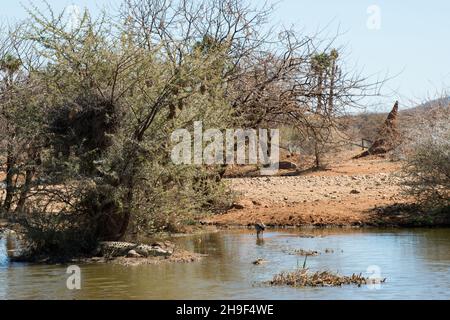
(259, 227)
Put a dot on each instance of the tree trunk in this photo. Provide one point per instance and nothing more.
(319, 93)
(127, 180)
(9, 180)
(332, 84)
(126, 215)
(317, 155)
(29, 174)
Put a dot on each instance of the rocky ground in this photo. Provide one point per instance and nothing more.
(353, 192)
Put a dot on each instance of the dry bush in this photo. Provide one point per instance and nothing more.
(426, 149)
(59, 236)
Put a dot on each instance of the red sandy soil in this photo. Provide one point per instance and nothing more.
(353, 192)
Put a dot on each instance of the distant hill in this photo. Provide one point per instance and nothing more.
(429, 105)
(366, 125)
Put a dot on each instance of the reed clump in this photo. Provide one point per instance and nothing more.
(305, 253)
(305, 278)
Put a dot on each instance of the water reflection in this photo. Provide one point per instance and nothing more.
(8, 244)
(259, 241)
(415, 263)
(3, 253)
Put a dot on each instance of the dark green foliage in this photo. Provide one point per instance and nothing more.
(83, 127)
(60, 236)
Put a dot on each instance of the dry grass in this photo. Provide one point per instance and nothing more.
(305, 278)
(301, 252)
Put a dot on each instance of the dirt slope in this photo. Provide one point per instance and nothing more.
(351, 193)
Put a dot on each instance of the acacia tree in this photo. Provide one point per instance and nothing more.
(9, 66)
(318, 124)
(299, 82)
(113, 104)
(21, 112)
(270, 78)
(205, 44)
(322, 99)
(113, 89)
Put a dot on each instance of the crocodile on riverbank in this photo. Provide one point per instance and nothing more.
(117, 249)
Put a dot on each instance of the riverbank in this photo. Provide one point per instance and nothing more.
(178, 256)
(158, 250)
(414, 261)
(352, 192)
(158, 255)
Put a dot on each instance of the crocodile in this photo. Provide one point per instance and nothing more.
(114, 248)
(118, 249)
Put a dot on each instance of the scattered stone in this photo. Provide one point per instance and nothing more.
(152, 251)
(259, 261)
(238, 206)
(133, 254)
(285, 165)
(96, 259)
(306, 235)
(3, 224)
(354, 191)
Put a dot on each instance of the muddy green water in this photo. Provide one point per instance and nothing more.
(415, 262)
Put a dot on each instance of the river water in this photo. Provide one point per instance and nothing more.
(415, 263)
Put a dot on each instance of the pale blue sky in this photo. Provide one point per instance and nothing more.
(411, 43)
